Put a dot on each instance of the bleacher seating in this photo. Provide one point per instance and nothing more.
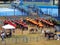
(28, 0)
(46, 0)
(38, 0)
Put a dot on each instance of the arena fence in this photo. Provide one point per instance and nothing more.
(20, 40)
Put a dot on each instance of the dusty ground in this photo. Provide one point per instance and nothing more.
(32, 41)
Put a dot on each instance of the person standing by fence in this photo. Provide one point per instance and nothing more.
(2, 36)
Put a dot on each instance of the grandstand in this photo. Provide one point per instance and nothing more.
(45, 5)
(5, 1)
(5, 5)
(38, 2)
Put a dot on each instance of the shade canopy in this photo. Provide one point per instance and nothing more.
(8, 26)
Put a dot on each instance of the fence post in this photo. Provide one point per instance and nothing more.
(16, 40)
(4, 42)
(25, 39)
(30, 39)
(37, 39)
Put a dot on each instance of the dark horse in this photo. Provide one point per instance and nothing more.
(50, 35)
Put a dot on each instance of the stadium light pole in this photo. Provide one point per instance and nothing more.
(14, 13)
(58, 8)
(53, 2)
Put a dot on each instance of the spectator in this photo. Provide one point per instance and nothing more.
(47, 31)
(58, 36)
(43, 31)
(2, 35)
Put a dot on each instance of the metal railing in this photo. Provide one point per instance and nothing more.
(20, 40)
